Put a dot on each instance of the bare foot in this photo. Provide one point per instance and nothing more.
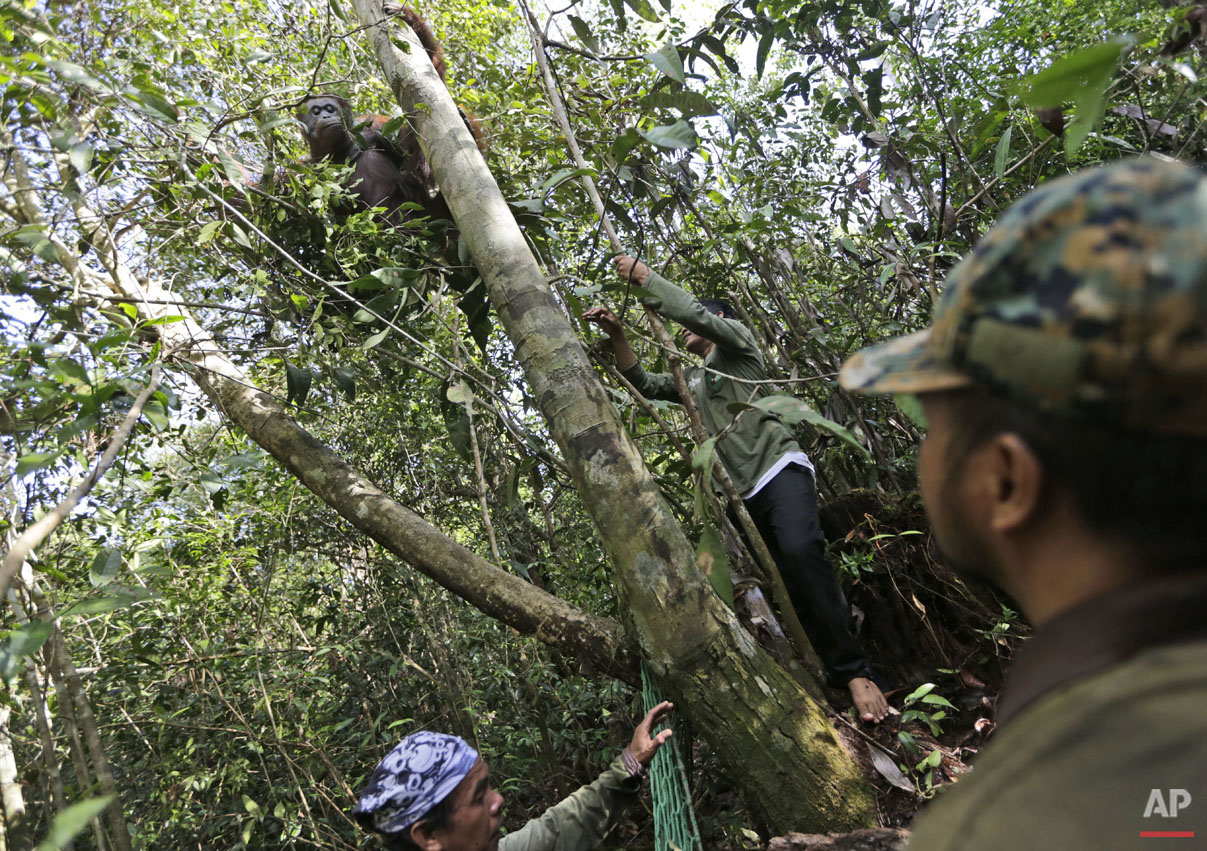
(869, 700)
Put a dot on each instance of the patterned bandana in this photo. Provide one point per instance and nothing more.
(417, 775)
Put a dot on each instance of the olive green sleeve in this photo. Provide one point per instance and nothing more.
(580, 822)
(675, 303)
(652, 385)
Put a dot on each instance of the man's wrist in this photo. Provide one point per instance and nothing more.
(635, 768)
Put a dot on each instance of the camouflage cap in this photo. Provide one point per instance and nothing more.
(1087, 299)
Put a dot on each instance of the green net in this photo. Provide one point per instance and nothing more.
(674, 820)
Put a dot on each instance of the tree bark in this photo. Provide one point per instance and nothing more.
(774, 741)
(13, 831)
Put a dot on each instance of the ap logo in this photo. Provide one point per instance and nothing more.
(1166, 806)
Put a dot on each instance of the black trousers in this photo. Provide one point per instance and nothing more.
(785, 512)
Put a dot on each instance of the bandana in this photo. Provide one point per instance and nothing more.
(417, 775)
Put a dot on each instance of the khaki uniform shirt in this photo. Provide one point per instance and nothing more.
(580, 822)
(759, 439)
(1102, 734)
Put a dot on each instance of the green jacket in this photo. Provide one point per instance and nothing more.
(1077, 768)
(580, 822)
(759, 439)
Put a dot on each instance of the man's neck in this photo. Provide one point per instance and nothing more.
(1064, 567)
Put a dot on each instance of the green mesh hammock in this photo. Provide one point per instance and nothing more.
(674, 820)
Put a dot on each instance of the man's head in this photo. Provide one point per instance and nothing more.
(701, 346)
(432, 792)
(1065, 377)
(720, 307)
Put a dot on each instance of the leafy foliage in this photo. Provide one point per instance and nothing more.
(248, 656)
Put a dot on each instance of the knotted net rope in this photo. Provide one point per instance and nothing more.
(675, 826)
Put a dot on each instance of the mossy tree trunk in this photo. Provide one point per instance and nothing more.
(777, 744)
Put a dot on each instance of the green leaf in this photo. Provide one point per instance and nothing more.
(396, 277)
(236, 177)
(1064, 79)
(239, 235)
(36, 461)
(713, 561)
(366, 282)
(677, 135)
(764, 48)
(376, 339)
(583, 31)
(210, 482)
(457, 422)
(919, 692)
(476, 307)
(207, 232)
(872, 51)
(27, 639)
(565, 174)
(937, 700)
(99, 605)
(156, 415)
(690, 104)
(1081, 77)
(667, 60)
(703, 457)
(644, 9)
(345, 380)
(297, 383)
(156, 107)
(35, 239)
(69, 371)
(874, 80)
(162, 320)
(105, 567)
(80, 156)
(792, 411)
(460, 394)
(73, 821)
(76, 75)
(1003, 151)
(624, 143)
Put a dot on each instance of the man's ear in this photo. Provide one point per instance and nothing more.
(426, 838)
(1014, 482)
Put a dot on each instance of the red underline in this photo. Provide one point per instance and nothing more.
(1167, 834)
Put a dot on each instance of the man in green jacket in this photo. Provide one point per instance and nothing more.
(1064, 381)
(432, 793)
(766, 464)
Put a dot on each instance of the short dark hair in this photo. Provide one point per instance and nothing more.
(719, 305)
(436, 817)
(1147, 490)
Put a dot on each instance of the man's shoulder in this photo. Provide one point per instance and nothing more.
(1077, 768)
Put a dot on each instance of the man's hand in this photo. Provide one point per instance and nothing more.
(606, 320)
(644, 746)
(631, 269)
(610, 325)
